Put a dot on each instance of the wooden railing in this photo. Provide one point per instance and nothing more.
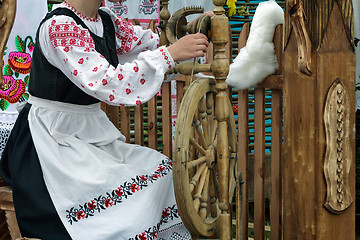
(273, 84)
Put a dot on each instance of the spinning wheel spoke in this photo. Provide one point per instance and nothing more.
(197, 146)
(197, 162)
(200, 188)
(210, 112)
(204, 197)
(196, 177)
(198, 129)
(213, 132)
(204, 120)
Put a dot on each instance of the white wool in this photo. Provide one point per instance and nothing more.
(257, 59)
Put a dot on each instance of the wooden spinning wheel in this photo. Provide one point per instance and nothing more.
(205, 135)
(196, 172)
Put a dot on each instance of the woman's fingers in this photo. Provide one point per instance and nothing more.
(189, 46)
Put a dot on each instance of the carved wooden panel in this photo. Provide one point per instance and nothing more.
(338, 156)
(317, 15)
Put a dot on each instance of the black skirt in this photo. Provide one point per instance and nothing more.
(20, 168)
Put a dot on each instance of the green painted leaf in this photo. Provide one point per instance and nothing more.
(26, 80)
(19, 43)
(16, 74)
(26, 96)
(4, 104)
(8, 71)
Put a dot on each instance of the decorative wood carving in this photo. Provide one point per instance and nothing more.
(296, 10)
(338, 157)
(317, 16)
(7, 17)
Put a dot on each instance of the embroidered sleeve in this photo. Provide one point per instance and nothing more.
(132, 40)
(71, 48)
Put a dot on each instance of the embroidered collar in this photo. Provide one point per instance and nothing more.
(82, 16)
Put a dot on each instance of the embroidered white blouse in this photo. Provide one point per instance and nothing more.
(135, 80)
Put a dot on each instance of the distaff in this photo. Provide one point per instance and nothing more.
(7, 18)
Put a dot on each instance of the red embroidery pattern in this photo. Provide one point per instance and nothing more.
(118, 195)
(125, 33)
(68, 34)
(166, 57)
(168, 214)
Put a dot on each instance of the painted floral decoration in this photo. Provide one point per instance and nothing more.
(13, 89)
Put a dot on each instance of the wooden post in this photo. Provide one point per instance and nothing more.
(319, 173)
(242, 214)
(166, 90)
(220, 69)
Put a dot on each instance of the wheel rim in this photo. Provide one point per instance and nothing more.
(195, 169)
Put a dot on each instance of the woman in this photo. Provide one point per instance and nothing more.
(72, 175)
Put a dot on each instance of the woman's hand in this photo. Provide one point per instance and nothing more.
(189, 46)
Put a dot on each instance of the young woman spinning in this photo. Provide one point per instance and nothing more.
(72, 174)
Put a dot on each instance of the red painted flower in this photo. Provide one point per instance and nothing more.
(136, 68)
(160, 168)
(95, 69)
(91, 85)
(138, 102)
(139, 43)
(75, 73)
(119, 192)
(235, 108)
(135, 38)
(142, 177)
(121, 77)
(92, 204)
(154, 234)
(104, 82)
(81, 61)
(80, 215)
(142, 81)
(170, 163)
(20, 62)
(108, 202)
(142, 236)
(134, 188)
(128, 91)
(66, 49)
(111, 97)
(166, 212)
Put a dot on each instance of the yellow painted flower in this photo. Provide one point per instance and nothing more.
(232, 7)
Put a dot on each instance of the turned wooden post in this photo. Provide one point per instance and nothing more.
(319, 121)
(166, 88)
(220, 69)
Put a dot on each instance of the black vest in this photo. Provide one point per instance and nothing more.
(48, 82)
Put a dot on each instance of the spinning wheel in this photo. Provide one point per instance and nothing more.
(196, 172)
(205, 135)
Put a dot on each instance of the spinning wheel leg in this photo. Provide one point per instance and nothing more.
(197, 176)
